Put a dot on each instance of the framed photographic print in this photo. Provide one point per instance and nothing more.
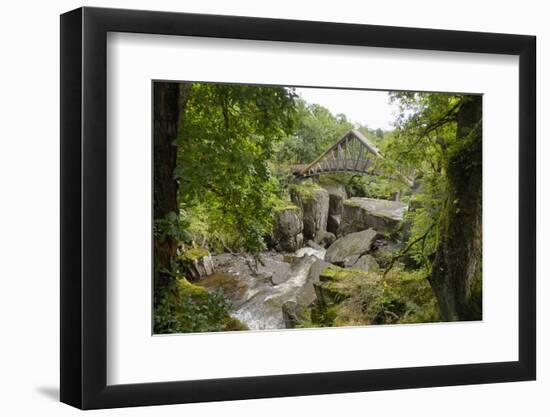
(257, 208)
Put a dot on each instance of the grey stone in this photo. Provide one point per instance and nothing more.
(271, 269)
(349, 261)
(354, 244)
(366, 263)
(384, 216)
(337, 195)
(314, 245)
(299, 240)
(287, 230)
(314, 203)
(306, 294)
(324, 238)
(200, 267)
(333, 223)
(294, 314)
(318, 266)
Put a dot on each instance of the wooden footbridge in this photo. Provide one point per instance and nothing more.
(352, 153)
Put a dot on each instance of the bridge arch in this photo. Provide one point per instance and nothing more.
(351, 153)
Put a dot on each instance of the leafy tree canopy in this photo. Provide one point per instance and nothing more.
(226, 136)
(424, 139)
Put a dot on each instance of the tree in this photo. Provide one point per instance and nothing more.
(439, 137)
(165, 206)
(226, 138)
(317, 129)
(456, 272)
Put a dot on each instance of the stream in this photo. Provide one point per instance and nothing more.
(258, 291)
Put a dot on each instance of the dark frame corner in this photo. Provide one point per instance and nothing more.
(83, 207)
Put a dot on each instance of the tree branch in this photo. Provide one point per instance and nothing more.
(406, 250)
(446, 118)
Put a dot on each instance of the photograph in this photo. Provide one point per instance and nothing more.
(292, 207)
(267, 209)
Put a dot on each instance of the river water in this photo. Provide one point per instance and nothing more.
(259, 290)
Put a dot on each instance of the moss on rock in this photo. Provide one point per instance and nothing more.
(313, 201)
(194, 253)
(350, 297)
(284, 205)
(306, 189)
(231, 324)
(185, 288)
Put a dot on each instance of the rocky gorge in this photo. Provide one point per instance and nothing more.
(324, 246)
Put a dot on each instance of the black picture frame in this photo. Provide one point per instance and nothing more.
(84, 207)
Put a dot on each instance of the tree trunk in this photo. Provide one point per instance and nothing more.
(456, 273)
(165, 189)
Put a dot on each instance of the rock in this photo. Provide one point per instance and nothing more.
(333, 223)
(337, 284)
(231, 285)
(353, 244)
(258, 303)
(273, 270)
(314, 245)
(337, 195)
(349, 261)
(324, 238)
(366, 263)
(306, 294)
(294, 314)
(299, 240)
(197, 263)
(314, 202)
(288, 259)
(384, 216)
(277, 278)
(232, 324)
(315, 271)
(287, 231)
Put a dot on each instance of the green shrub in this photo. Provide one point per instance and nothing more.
(352, 298)
(189, 308)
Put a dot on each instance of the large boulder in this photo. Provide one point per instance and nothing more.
(337, 195)
(314, 202)
(360, 213)
(287, 230)
(351, 245)
(349, 261)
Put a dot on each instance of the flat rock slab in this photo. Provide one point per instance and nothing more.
(385, 216)
(354, 244)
